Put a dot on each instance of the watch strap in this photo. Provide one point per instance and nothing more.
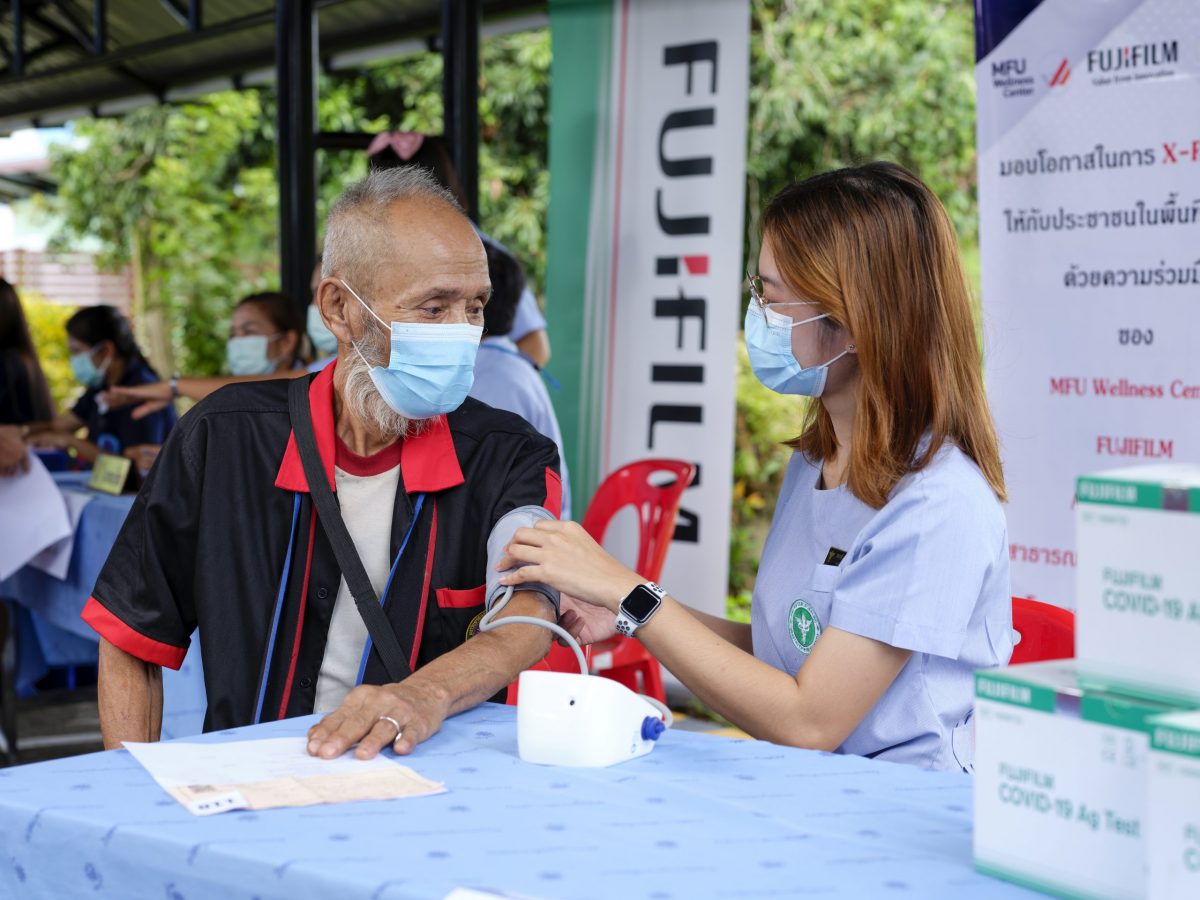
(626, 624)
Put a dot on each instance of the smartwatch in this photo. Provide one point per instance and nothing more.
(637, 608)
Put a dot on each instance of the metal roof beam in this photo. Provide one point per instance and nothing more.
(72, 26)
(50, 46)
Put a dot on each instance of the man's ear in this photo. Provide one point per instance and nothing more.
(333, 301)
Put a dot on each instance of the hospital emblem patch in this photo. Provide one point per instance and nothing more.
(804, 626)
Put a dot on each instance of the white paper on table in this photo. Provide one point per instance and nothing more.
(265, 774)
(55, 560)
(33, 515)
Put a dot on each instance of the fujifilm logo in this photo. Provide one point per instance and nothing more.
(1134, 56)
(1006, 692)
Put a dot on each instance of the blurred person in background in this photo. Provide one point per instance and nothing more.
(505, 377)
(104, 355)
(24, 396)
(265, 341)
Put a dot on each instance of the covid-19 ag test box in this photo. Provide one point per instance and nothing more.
(1060, 782)
(1173, 801)
(1138, 581)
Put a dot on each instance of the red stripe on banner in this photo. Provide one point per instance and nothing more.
(1059, 73)
(612, 300)
(287, 685)
(117, 633)
(416, 647)
(696, 265)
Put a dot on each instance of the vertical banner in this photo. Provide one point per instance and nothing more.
(1089, 204)
(647, 172)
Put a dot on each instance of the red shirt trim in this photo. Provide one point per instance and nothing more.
(553, 493)
(428, 460)
(117, 633)
(367, 466)
(416, 648)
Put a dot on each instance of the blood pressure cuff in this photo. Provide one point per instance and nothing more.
(501, 536)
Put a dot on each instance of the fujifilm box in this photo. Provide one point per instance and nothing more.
(1138, 581)
(1173, 835)
(1060, 782)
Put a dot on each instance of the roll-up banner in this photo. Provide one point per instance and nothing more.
(647, 172)
(1089, 205)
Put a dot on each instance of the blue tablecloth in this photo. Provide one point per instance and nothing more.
(50, 630)
(701, 816)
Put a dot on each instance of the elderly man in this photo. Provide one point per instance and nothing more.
(226, 534)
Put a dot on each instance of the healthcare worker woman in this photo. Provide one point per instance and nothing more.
(884, 582)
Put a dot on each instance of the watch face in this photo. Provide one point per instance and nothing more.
(640, 603)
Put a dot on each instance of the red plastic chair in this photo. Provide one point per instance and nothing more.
(1047, 632)
(657, 504)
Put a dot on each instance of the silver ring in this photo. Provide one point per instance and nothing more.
(395, 724)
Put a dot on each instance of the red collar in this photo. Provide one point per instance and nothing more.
(428, 461)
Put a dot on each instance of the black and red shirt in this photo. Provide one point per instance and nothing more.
(224, 537)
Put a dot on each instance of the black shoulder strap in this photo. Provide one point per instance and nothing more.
(365, 598)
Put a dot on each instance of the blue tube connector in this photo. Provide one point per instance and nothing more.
(652, 728)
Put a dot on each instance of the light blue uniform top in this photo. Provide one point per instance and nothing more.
(507, 379)
(928, 573)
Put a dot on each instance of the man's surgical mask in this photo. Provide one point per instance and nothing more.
(769, 344)
(323, 340)
(247, 355)
(87, 372)
(431, 368)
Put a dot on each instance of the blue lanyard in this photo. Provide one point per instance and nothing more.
(283, 580)
(362, 666)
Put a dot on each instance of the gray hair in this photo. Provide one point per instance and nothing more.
(354, 228)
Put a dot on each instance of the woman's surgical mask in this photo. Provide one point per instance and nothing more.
(323, 340)
(247, 355)
(769, 345)
(431, 367)
(87, 372)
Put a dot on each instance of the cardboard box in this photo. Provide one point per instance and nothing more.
(1138, 581)
(1060, 782)
(1173, 833)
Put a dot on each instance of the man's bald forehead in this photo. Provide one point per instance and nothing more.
(387, 218)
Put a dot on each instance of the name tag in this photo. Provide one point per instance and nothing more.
(834, 557)
(110, 473)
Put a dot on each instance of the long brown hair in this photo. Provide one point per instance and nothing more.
(17, 348)
(873, 247)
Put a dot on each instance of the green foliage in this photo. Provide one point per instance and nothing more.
(186, 195)
(837, 82)
(48, 327)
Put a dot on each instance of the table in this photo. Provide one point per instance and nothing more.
(701, 816)
(50, 632)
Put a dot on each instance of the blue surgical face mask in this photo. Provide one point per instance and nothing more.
(431, 368)
(87, 372)
(323, 340)
(247, 355)
(769, 344)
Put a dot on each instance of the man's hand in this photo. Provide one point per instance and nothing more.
(586, 623)
(419, 707)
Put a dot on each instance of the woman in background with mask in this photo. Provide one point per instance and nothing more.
(104, 355)
(884, 581)
(264, 336)
(264, 342)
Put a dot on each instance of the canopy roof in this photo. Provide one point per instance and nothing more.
(99, 57)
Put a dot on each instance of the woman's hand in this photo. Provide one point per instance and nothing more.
(51, 440)
(150, 398)
(564, 556)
